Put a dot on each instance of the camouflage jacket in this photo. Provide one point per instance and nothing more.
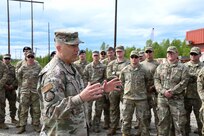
(80, 66)
(193, 70)
(171, 76)
(200, 85)
(106, 61)
(12, 80)
(3, 75)
(28, 76)
(134, 81)
(114, 68)
(94, 73)
(63, 111)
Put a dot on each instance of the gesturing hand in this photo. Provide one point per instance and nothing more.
(112, 85)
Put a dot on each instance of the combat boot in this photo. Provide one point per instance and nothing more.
(3, 126)
(105, 125)
(111, 131)
(96, 129)
(125, 135)
(36, 128)
(21, 129)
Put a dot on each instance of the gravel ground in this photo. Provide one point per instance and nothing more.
(30, 132)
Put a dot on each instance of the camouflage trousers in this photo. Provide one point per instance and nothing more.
(192, 104)
(142, 111)
(2, 105)
(171, 113)
(29, 100)
(11, 97)
(115, 98)
(202, 117)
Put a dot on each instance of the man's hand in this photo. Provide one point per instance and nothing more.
(112, 85)
(168, 94)
(91, 92)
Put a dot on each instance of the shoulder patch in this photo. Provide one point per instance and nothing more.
(46, 88)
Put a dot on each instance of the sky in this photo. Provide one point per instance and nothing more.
(94, 20)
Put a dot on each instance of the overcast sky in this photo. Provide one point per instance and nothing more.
(94, 20)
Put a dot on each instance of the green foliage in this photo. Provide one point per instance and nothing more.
(43, 60)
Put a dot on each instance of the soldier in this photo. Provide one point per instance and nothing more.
(141, 56)
(134, 79)
(102, 55)
(110, 56)
(191, 99)
(3, 80)
(28, 76)
(81, 63)
(113, 70)
(150, 66)
(10, 87)
(62, 91)
(95, 72)
(170, 80)
(53, 53)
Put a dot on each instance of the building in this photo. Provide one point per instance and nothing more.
(196, 38)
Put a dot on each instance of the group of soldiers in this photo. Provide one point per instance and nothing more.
(64, 91)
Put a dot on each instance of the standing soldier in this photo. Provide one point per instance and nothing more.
(62, 91)
(95, 73)
(28, 76)
(110, 56)
(150, 66)
(134, 79)
(141, 56)
(113, 70)
(10, 87)
(102, 55)
(81, 63)
(192, 100)
(3, 80)
(170, 80)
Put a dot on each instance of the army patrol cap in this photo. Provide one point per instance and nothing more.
(110, 49)
(172, 49)
(26, 48)
(69, 38)
(30, 53)
(149, 48)
(53, 53)
(134, 52)
(95, 52)
(195, 50)
(103, 52)
(141, 53)
(82, 51)
(7, 56)
(120, 48)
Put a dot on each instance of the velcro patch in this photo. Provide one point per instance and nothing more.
(46, 88)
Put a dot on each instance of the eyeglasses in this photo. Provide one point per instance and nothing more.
(134, 56)
(193, 54)
(7, 58)
(148, 51)
(30, 57)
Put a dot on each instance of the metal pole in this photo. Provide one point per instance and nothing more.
(8, 19)
(32, 25)
(48, 40)
(115, 28)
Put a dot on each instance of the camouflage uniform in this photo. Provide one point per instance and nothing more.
(95, 73)
(150, 66)
(191, 99)
(63, 110)
(135, 95)
(80, 66)
(200, 88)
(3, 80)
(113, 70)
(28, 77)
(10, 88)
(174, 77)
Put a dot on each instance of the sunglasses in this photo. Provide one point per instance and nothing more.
(134, 56)
(148, 52)
(7, 58)
(30, 57)
(103, 54)
(193, 54)
(95, 55)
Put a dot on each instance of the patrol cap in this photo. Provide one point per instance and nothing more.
(110, 49)
(95, 52)
(120, 48)
(82, 51)
(149, 48)
(141, 53)
(134, 52)
(30, 53)
(26, 48)
(172, 49)
(195, 50)
(7, 56)
(53, 53)
(67, 37)
(103, 52)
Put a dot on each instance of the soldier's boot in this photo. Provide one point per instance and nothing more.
(96, 129)
(21, 130)
(125, 135)
(137, 124)
(138, 133)
(3, 126)
(13, 120)
(36, 128)
(106, 125)
(18, 124)
(111, 131)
